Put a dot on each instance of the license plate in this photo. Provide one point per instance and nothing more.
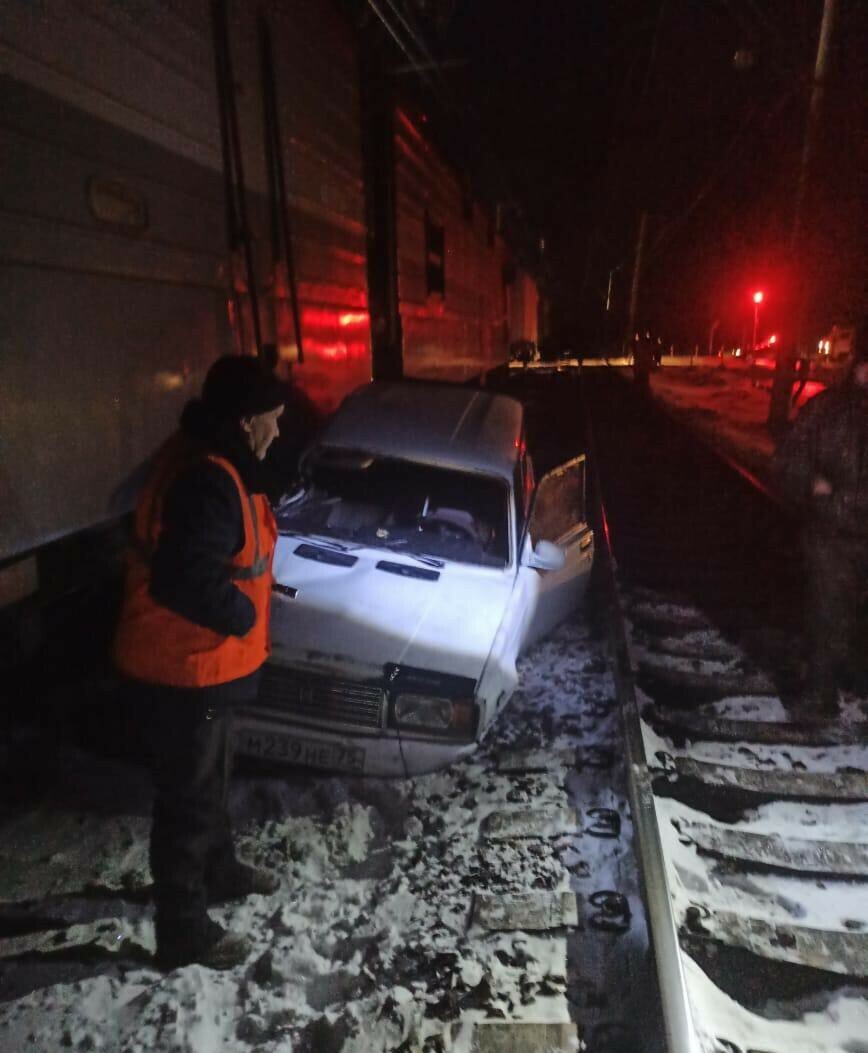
(293, 749)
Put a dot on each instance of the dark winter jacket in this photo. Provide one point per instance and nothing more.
(829, 439)
(202, 528)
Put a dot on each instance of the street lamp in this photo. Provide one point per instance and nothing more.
(757, 300)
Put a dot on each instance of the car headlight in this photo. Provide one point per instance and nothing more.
(423, 711)
(436, 714)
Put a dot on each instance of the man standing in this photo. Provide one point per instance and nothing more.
(822, 468)
(192, 636)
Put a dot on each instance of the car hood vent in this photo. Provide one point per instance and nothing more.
(406, 571)
(325, 555)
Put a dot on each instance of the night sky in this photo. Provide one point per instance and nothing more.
(582, 114)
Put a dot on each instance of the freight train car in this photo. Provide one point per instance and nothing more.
(117, 285)
(182, 180)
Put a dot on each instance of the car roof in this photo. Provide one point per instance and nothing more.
(448, 426)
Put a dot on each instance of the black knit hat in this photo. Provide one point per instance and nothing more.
(238, 386)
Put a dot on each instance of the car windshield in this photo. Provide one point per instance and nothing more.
(402, 506)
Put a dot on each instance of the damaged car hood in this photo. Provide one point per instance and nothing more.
(380, 608)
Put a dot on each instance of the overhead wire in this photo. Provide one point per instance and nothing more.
(413, 60)
(407, 36)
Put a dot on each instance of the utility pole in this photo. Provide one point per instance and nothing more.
(378, 157)
(609, 290)
(715, 325)
(779, 406)
(637, 272)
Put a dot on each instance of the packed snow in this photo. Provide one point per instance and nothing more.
(371, 943)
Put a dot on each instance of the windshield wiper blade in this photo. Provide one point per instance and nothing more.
(429, 561)
(320, 539)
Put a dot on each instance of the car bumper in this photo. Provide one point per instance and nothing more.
(336, 724)
(284, 742)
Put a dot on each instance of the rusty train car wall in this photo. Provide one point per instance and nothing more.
(115, 277)
(451, 267)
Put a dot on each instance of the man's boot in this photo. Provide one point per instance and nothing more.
(201, 943)
(232, 879)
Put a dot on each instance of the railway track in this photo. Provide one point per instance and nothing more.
(751, 826)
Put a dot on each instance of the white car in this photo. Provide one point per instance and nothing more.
(415, 565)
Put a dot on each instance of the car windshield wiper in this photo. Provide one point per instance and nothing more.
(320, 539)
(429, 561)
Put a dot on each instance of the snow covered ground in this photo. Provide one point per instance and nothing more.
(727, 405)
(416, 915)
(725, 402)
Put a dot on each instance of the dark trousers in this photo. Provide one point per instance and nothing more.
(837, 567)
(191, 841)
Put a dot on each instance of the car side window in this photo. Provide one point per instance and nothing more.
(559, 503)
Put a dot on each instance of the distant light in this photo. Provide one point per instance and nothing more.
(757, 297)
(743, 59)
(773, 339)
(165, 380)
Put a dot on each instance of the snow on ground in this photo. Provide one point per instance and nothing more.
(722, 405)
(839, 1023)
(370, 944)
(724, 400)
(727, 404)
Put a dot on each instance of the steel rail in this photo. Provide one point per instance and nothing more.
(662, 930)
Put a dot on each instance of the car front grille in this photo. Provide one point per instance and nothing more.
(283, 693)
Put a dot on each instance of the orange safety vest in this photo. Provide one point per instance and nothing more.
(157, 645)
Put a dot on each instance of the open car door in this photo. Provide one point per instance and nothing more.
(558, 518)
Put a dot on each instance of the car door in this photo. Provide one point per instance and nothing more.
(558, 516)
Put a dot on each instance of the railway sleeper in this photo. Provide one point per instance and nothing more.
(844, 953)
(697, 726)
(825, 786)
(801, 855)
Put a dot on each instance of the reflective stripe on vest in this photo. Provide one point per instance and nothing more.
(260, 563)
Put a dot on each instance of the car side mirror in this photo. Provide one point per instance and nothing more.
(545, 555)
